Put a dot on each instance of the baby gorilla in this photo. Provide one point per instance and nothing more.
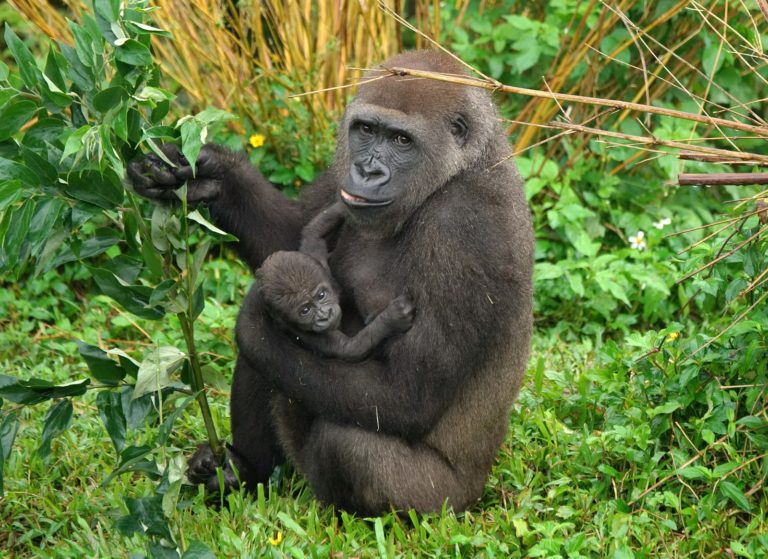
(296, 290)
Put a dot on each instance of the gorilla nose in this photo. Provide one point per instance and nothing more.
(370, 175)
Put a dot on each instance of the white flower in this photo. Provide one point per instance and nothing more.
(663, 222)
(637, 241)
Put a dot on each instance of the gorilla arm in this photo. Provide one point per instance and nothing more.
(405, 393)
(241, 200)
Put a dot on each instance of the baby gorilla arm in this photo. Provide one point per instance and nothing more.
(395, 319)
(313, 235)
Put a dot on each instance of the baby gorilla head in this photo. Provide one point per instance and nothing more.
(297, 292)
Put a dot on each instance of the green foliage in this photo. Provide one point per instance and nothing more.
(641, 433)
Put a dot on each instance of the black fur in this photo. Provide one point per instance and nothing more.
(435, 209)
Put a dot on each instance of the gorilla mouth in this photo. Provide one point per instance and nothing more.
(360, 202)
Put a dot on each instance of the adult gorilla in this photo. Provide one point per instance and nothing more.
(434, 210)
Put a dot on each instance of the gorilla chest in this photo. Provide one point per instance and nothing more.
(368, 275)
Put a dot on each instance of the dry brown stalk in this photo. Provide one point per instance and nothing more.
(708, 158)
(642, 140)
(761, 131)
(721, 179)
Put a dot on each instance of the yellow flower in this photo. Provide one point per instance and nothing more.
(277, 539)
(256, 140)
(672, 336)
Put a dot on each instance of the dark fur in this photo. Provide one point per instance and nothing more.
(422, 422)
(289, 280)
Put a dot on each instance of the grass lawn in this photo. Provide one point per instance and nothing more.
(571, 480)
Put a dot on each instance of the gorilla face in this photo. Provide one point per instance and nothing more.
(381, 157)
(318, 311)
(392, 160)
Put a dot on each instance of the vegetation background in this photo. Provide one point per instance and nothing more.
(642, 430)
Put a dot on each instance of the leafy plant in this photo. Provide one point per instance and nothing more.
(66, 129)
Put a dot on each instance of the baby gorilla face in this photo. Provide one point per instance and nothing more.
(319, 311)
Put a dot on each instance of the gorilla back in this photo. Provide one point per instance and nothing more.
(435, 210)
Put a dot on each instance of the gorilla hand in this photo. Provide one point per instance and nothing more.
(153, 178)
(399, 314)
(203, 465)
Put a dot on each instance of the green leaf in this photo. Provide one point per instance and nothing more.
(111, 412)
(109, 98)
(8, 429)
(103, 368)
(57, 420)
(198, 550)
(156, 369)
(664, 409)
(133, 298)
(103, 190)
(14, 115)
(192, 139)
(147, 514)
(198, 218)
(134, 459)
(735, 494)
(4, 73)
(165, 429)
(37, 390)
(25, 62)
(13, 170)
(133, 53)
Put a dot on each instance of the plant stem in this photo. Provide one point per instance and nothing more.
(198, 385)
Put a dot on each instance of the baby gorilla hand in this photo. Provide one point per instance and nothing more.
(399, 313)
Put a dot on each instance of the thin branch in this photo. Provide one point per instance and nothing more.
(640, 140)
(709, 158)
(721, 179)
(761, 131)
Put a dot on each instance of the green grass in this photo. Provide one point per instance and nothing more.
(562, 485)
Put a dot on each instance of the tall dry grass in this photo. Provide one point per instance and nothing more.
(231, 54)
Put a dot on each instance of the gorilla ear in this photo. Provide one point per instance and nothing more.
(459, 129)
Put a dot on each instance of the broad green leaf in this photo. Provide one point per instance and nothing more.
(10, 192)
(133, 53)
(111, 412)
(192, 140)
(25, 62)
(102, 367)
(149, 512)
(103, 190)
(664, 409)
(156, 369)
(735, 494)
(13, 170)
(14, 115)
(133, 298)
(3, 71)
(57, 420)
(8, 429)
(37, 390)
(134, 459)
(198, 550)
(109, 98)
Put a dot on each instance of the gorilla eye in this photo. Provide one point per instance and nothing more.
(321, 294)
(365, 128)
(402, 140)
(304, 311)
